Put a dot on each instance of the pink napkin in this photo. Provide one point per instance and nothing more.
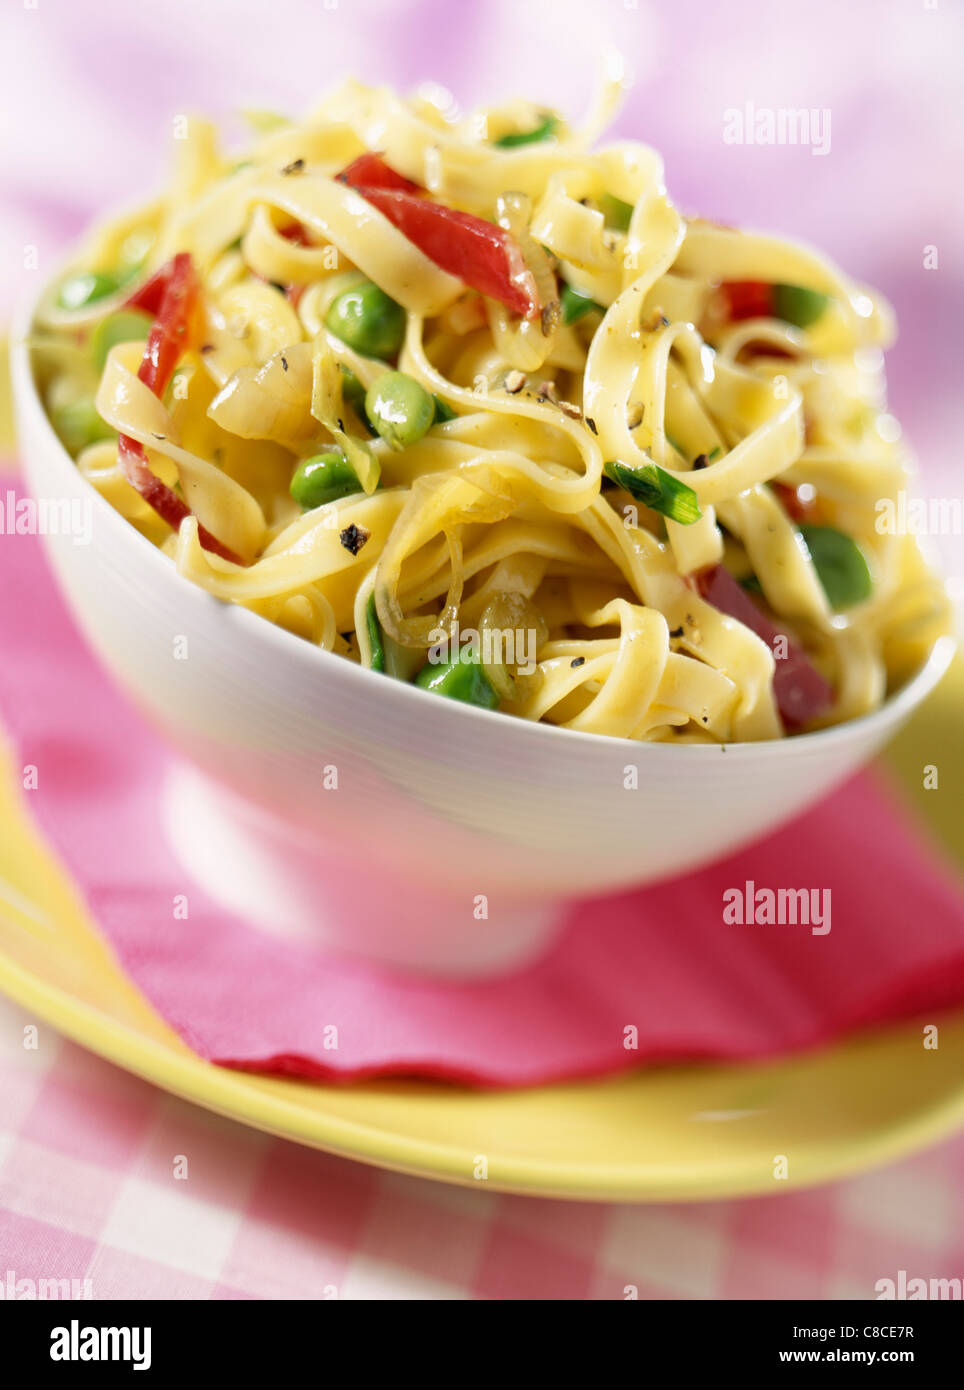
(691, 985)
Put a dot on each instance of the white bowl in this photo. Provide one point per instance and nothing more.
(454, 833)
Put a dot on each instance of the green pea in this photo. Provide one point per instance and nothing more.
(86, 287)
(794, 304)
(443, 411)
(575, 305)
(77, 424)
(126, 326)
(399, 409)
(615, 212)
(840, 564)
(322, 478)
(368, 320)
(460, 678)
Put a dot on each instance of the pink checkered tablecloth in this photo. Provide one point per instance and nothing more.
(88, 1191)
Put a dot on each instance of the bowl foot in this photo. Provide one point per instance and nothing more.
(255, 865)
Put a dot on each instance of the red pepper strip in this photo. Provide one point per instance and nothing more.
(747, 299)
(150, 294)
(486, 257)
(371, 171)
(165, 344)
(796, 507)
(800, 690)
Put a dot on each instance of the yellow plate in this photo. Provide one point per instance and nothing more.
(661, 1134)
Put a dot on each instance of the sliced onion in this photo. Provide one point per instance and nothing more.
(509, 612)
(525, 343)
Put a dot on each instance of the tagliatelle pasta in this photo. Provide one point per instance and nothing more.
(471, 403)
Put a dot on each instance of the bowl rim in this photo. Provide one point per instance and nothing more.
(27, 398)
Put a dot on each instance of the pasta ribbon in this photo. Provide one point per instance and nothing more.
(415, 378)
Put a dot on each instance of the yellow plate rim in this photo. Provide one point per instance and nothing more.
(214, 1088)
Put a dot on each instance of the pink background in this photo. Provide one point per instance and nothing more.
(87, 93)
